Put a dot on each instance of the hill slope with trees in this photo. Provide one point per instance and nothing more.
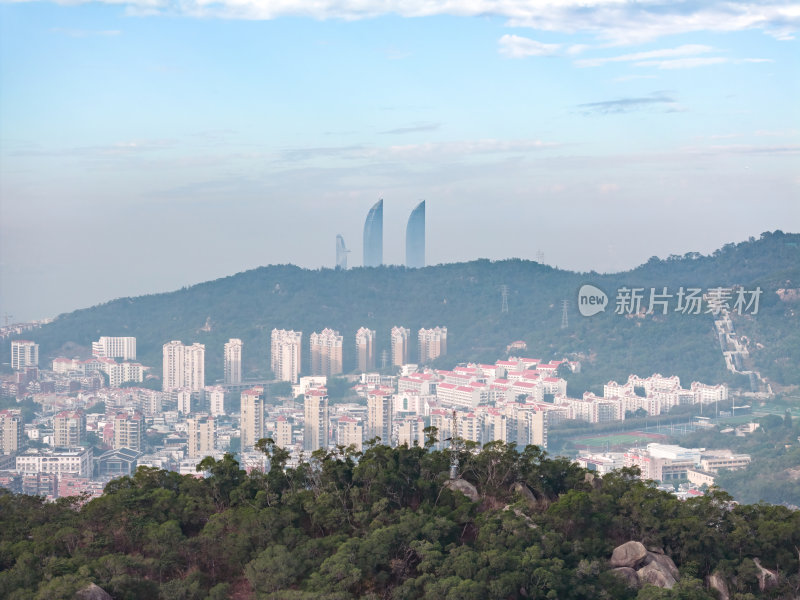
(466, 298)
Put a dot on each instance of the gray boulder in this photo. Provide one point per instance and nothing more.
(655, 574)
(629, 554)
(716, 582)
(766, 578)
(628, 574)
(93, 592)
(465, 487)
(664, 562)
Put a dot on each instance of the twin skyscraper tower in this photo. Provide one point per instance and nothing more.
(373, 239)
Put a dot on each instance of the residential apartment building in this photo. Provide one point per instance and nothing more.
(184, 366)
(24, 353)
(285, 354)
(129, 431)
(365, 350)
(326, 352)
(115, 347)
(37, 460)
(283, 433)
(215, 396)
(432, 344)
(69, 429)
(380, 415)
(349, 432)
(317, 420)
(252, 418)
(398, 341)
(11, 430)
(233, 361)
(202, 436)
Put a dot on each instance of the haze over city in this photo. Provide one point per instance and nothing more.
(147, 146)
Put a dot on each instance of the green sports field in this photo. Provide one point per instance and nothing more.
(618, 441)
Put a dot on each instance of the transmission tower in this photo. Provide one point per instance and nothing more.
(564, 314)
(540, 257)
(454, 448)
(504, 294)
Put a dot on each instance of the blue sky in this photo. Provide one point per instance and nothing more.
(147, 145)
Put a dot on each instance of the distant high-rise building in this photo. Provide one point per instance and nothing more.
(341, 253)
(379, 415)
(69, 429)
(283, 432)
(202, 435)
(415, 238)
(326, 352)
(184, 366)
(317, 420)
(373, 236)
(115, 347)
(399, 344)
(215, 397)
(432, 344)
(24, 353)
(233, 361)
(365, 349)
(349, 432)
(285, 355)
(11, 429)
(128, 431)
(252, 419)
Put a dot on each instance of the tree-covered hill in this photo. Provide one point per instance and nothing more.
(466, 298)
(385, 525)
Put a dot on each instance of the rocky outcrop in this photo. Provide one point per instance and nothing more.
(93, 592)
(766, 579)
(629, 554)
(465, 487)
(716, 582)
(640, 566)
(526, 493)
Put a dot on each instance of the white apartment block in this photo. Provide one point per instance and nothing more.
(119, 373)
(184, 366)
(432, 344)
(326, 352)
(450, 395)
(252, 418)
(398, 341)
(365, 349)
(283, 433)
(128, 431)
(411, 431)
(24, 353)
(35, 460)
(349, 432)
(115, 347)
(232, 357)
(183, 397)
(380, 416)
(11, 428)
(215, 395)
(705, 394)
(317, 420)
(202, 436)
(421, 384)
(285, 354)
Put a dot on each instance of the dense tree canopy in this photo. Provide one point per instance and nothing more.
(382, 525)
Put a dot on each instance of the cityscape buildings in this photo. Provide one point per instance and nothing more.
(373, 236)
(202, 434)
(11, 431)
(69, 429)
(365, 350)
(24, 353)
(285, 354)
(326, 352)
(128, 431)
(415, 238)
(432, 344)
(398, 341)
(380, 415)
(233, 361)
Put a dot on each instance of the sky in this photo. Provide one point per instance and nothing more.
(146, 145)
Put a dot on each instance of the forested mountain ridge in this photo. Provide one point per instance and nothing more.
(383, 524)
(466, 298)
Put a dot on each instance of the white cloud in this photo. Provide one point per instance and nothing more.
(683, 63)
(685, 50)
(611, 20)
(515, 46)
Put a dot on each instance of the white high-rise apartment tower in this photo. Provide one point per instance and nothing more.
(432, 344)
(317, 420)
(233, 361)
(184, 366)
(365, 349)
(252, 419)
(399, 344)
(285, 356)
(326, 352)
(115, 347)
(24, 353)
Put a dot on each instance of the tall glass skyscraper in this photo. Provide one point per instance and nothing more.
(341, 253)
(415, 237)
(373, 236)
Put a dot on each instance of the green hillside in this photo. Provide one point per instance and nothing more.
(466, 298)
